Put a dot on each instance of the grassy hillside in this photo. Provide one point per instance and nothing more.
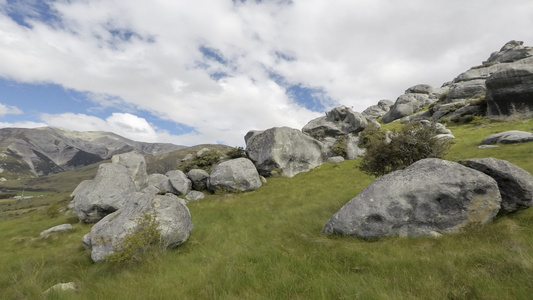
(267, 244)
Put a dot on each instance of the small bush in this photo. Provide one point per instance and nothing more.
(412, 143)
(203, 161)
(236, 152)
(340, 148)
(135, 245)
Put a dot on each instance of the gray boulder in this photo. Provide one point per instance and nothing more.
(353, 150)
(508, 137)
(516, 185)
(431, 196)
(58, 228)
(378, 110)
(198, 178)
(512, 51)
(286, 149)
(510, 90)
(180, 182)
(335, 159)
(106, 237)
(136, 166)
(410, 102)
(466, 89)
(232, 175)
(160, 183)
(194, 196)
(339, 121)
(107, 192)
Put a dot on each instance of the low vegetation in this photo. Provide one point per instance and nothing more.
(398, 150)
(267, 244)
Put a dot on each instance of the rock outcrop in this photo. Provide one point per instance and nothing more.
(171, 214)
(180, 182)
(232, 175)
(107, 192)
(508, 137)
(414, 98)
(339, 121)
(431, 196)
(198, 178)
(510, 90)
(136, 166)
(286, 149)
(515, 184)
(378, 110)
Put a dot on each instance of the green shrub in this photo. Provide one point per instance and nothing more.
(140, 239)
(236, 152)
(203, 161)
(340, 148)
(411, 143)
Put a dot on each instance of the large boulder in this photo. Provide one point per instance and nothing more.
(173, 218)
(378, 110)
(180, 182)
(159, 183)
(431, 196)
(414, 98)
(510, 52)
(508, 137)
(232, 175)
(198, 178)
(107, 192)
(516, 184)
(286, 149)
(510, 90)
(136, 166)
(339, 121)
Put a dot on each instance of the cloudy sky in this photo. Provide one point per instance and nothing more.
(208, 71)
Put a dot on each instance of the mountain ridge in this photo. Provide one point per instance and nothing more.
(27, 152)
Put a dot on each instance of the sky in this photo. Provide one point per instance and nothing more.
(208, 71)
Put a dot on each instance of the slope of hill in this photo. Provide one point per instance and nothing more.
(47, 150)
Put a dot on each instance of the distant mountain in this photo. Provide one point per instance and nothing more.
(41, 151)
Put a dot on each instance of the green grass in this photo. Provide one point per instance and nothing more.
(267, 244)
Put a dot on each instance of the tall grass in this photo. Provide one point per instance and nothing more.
(267, 244)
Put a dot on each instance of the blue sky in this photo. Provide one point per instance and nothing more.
(208, 71)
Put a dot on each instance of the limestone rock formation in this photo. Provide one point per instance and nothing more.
(194, 196)
(431, 196)
(58, 228)
(510, 90)
(339, 121)
(180, 182)
(378, 110)
(508, 137)
(414, 98)
(107, 192)
(232, 175)
(160, 183)
(106, 236)
(286, 149)
(136, 166)
(515, 184)
(198, 178)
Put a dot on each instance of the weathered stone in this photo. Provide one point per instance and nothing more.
(420, 89)
(377, 111)
(286, 149)
(195, 196)
(170, 212)
(232, 175)
(508, 137)
(339, 121)
(423, 115)
(510, 52)
(58, 228)
(431, 195)
(335, 159)
(405, 105)
(510, 90)
(516, 185)
(353, 150)
(160, 182)
(198, 178)
(107, 192)
(180, 182)
(62, 287)
(466, 90)
(136, 166)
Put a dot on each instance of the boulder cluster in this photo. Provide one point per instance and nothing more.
(434, 196)
(122, 192)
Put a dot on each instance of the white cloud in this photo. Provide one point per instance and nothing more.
(358, 52)
(9, 110)
(23, 124)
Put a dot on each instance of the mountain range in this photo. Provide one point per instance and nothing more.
(47, 150)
